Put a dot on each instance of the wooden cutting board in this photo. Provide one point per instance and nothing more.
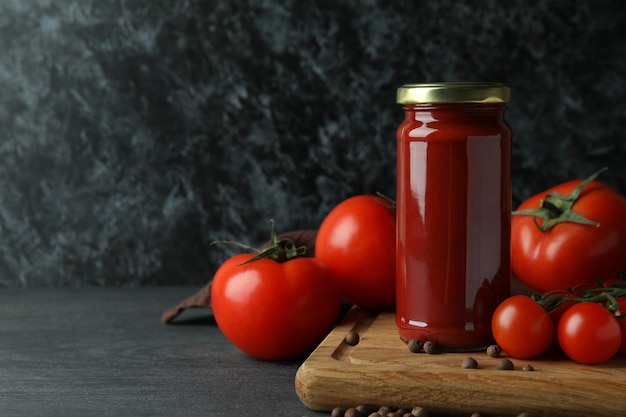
(380, 370)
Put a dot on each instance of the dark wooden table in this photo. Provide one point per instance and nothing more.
(105, 352)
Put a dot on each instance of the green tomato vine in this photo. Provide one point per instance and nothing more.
(605, 295)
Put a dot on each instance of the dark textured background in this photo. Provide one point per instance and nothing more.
(135, 132)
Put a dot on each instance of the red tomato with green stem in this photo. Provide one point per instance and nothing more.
(275, 309)
(521, 327)
(357, 240)
(571, 234)
(588, 333)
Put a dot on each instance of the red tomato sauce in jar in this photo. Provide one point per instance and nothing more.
(453, 212)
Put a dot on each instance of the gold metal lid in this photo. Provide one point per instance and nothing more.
(453, 92)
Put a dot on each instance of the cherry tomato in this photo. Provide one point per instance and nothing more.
(273, 310)
(614, 281)
(357, 240)
(621, 313)
(521, 327)
(570, 253)
(588, 333)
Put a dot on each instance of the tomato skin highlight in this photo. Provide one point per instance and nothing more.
(570, 254)
(589, 334)
(357, 240)
(522, 328)
(272, 310)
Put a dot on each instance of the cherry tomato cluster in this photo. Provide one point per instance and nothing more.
(587, 322)
(564, 237)
(279, 302)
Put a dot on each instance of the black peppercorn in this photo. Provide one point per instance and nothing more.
(494, 351)
(353, 338)
(419, 412)
(528, 367)
(469, 363)
(430, 347)
(383, 410)
(337, 412)
(415, 345)
(352, 412)
(505, 364)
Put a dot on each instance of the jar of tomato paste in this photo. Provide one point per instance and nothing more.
(453, 211)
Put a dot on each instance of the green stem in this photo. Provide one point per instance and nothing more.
(607, 296)
(558, 208)
(389, 202)
(279, 249)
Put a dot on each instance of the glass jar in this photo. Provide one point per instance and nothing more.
(453, 212)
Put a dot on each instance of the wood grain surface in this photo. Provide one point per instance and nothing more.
(381, 370)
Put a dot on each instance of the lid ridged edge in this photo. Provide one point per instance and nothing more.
(453, 92)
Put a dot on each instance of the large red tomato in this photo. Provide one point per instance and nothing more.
(585, 236)
(273, 310)
(357, 240)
